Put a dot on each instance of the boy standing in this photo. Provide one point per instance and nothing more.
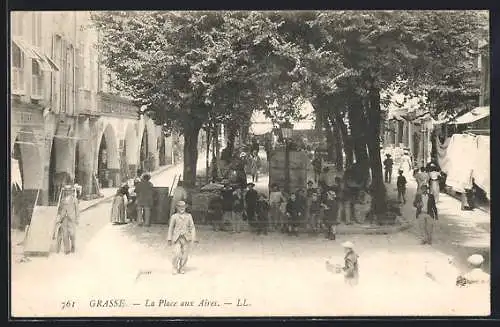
(181, 233)
(401, 185)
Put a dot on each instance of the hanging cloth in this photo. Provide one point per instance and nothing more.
(442, 149)
(461, 155)
(481, 170)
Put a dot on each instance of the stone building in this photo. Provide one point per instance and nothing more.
(67, 124)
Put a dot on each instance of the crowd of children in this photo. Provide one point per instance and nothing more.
(318, 208)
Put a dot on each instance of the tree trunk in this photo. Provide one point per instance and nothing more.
(346, 139)
(215, 153)
(330, 142)
(358, 130)
(207, 157)
(379, 195)
(231, 137)
(191, 132)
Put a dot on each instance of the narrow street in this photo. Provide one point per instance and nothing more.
(244, 274)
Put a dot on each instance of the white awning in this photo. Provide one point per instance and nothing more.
(472, 116)
(35, 53)
(260, 128)
(15, 173)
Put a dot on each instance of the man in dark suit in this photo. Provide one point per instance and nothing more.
(426, 213)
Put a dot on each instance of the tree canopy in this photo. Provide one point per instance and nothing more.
(196, 68)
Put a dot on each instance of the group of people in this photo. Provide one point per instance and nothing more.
(319, 209)
(238, 203)
(140, 201)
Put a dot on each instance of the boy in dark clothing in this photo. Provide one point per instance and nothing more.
(401, 185)
(251, 198)
(294, 213)
(331, 208)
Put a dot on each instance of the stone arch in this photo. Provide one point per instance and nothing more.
(61, 164)
(107, 158)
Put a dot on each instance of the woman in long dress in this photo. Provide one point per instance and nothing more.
(406, 165)
(118, 209)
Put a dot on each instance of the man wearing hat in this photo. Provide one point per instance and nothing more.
(350, 269)
(476, 275)
(181, 233)
(388, 163)
(426, 212)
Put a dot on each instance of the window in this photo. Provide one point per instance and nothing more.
(36, 80)
(36, 26)
(17, 77)
(70, 80)
(17, 57)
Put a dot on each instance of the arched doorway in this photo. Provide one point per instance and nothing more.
(102, 164)
(143, 156)
(108, 162)
(161, 148)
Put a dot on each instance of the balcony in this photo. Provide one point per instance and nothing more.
(37, 87)
(113, 105)
(17, 80)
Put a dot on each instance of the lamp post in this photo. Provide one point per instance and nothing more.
(286, 132)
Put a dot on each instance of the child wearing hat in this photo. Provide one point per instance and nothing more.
(350, 269)
(181, 234)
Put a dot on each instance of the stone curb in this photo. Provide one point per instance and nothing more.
(109, 198)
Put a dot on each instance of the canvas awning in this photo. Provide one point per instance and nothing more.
(15, 174)
(32, 52)
(472, 116)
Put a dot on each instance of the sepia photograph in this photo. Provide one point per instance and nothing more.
(319, 163)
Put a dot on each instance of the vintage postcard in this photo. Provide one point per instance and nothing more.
(249, 163)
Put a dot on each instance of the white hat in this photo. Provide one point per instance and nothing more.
(181, 204)
(475, 259)
(348, 244)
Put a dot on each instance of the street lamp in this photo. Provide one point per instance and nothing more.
(286, 132)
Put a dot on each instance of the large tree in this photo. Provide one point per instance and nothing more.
(194, 69)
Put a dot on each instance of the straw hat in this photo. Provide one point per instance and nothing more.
(475, 259)
(348, 245)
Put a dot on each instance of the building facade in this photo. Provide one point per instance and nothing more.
(67, 124)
